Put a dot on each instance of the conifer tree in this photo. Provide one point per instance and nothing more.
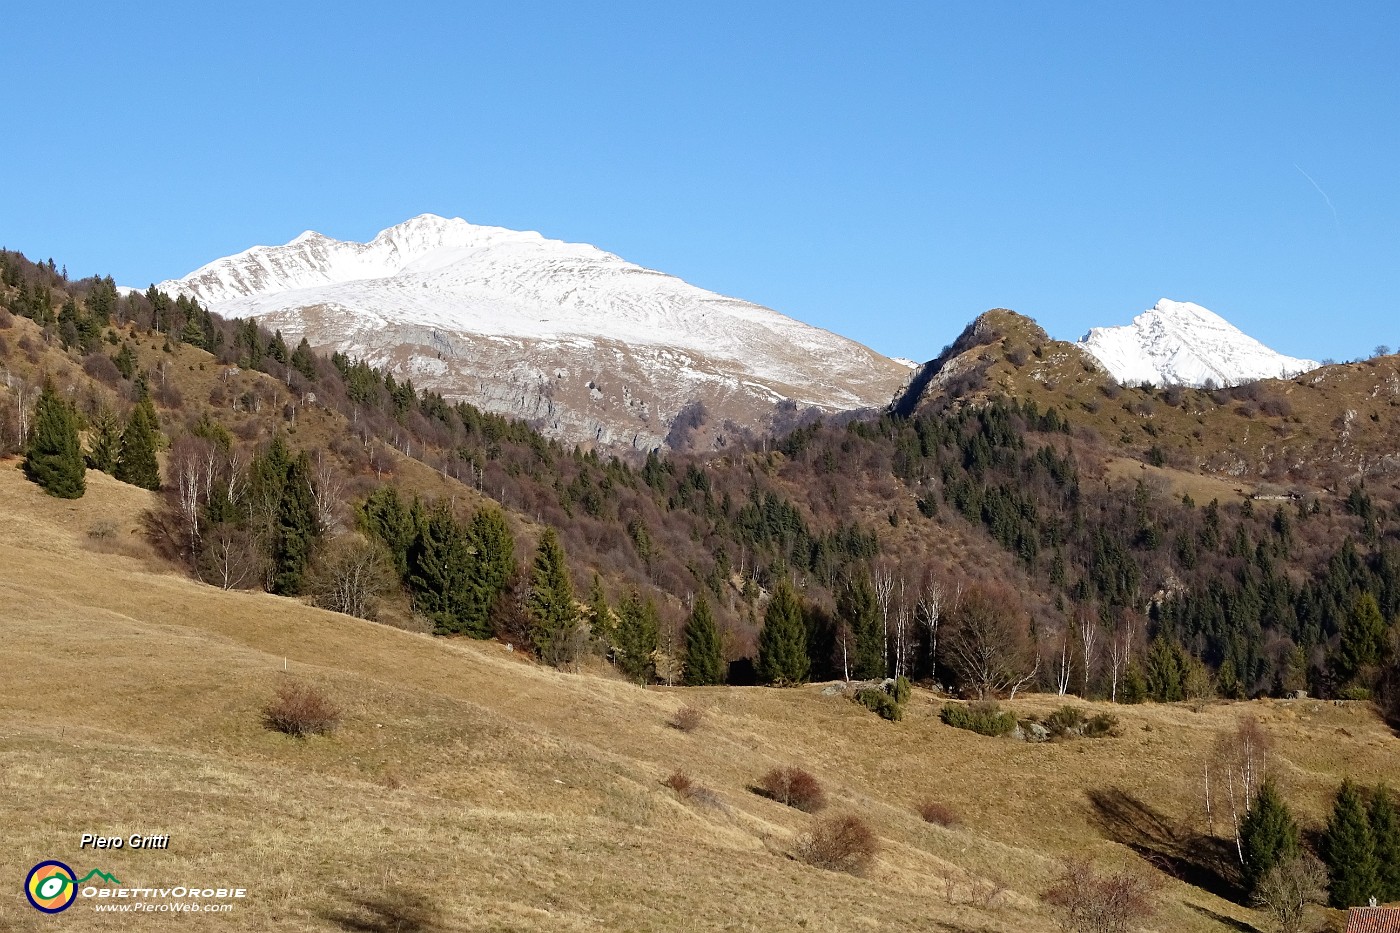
(1385, 837)
(53, 457)
(298, 529)
(303, 361)
(855, 605)
(490, 540)
(551, 601)
(1349, 851)
(136, 461)
(104, 442)
(604, 620)
(1363, 638)
(1268, 835)
(439, 562)
(385, 517)
(636, 638)
(125, 361)
(782, 645)
(704, 661)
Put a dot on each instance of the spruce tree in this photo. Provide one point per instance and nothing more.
(551, 601)
(855, 605)
(384, 516)
(1385, 837)
(782, 645)
(1268, 835)
(604, 620)
(1349, 851)
(489, 538)
(704, 661)
(136, 461)
(104, 442)
(635, 641)
(303, 361)
(439, 562)
(1363, 638)
(53, 457)
(298, 529)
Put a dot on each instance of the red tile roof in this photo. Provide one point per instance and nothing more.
(1373, 920)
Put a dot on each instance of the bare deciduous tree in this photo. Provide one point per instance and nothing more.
(931, 608)
(1088, 643)
(989, 645)
(1235, 771)
(1085, 900)
(883, 580)
(228, 558)
(1288, 888)
(328, 491)
(350, 575)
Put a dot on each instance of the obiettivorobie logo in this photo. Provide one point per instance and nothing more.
(52, 886)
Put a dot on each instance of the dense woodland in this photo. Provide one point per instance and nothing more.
(981, 547)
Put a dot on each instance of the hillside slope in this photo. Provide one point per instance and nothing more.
(469, 790)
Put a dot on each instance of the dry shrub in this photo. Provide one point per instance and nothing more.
(839, 843)
(940, 813)
(1085, 900)
(300, 710)
(794, 787)
(679, 782)
(686, 789)
(687, 719)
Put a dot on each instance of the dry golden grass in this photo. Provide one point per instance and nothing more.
(469, 790)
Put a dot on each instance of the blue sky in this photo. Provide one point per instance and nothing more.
(886, 171)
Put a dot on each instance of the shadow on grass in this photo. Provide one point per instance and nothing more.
(393, 911)
(1230, 923)
(1198, 860)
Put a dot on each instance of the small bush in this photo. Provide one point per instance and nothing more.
(1066, 722)
(300, 710)
(931, 811)
(877, 700)
(984, 717)
(902, 690)
(686, 789)
(1102, 725)
(839, 843)
(687, 719)
(794, 787)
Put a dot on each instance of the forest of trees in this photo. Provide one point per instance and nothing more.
(1061, 577)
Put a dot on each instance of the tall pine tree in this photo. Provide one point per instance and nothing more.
(298, 529)
(136, 461)
(104, 442)
(53, 457)
(551, 602)
(439, 565)
(856, 606)
(1349, 851)
(704, 661)
(1268, 835)
(782, 645)
(1385, 837)
(490, 540)
(636, 637)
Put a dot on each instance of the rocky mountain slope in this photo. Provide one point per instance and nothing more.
(1180, 343)
(586, 345)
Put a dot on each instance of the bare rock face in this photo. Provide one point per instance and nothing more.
(591, 348)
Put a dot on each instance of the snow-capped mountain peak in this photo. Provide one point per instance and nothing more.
(1182, 343)
(515, 322)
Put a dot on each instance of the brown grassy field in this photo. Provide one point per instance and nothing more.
(468, 789)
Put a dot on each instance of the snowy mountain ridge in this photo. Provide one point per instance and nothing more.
(542, 329)
(1181, 343)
